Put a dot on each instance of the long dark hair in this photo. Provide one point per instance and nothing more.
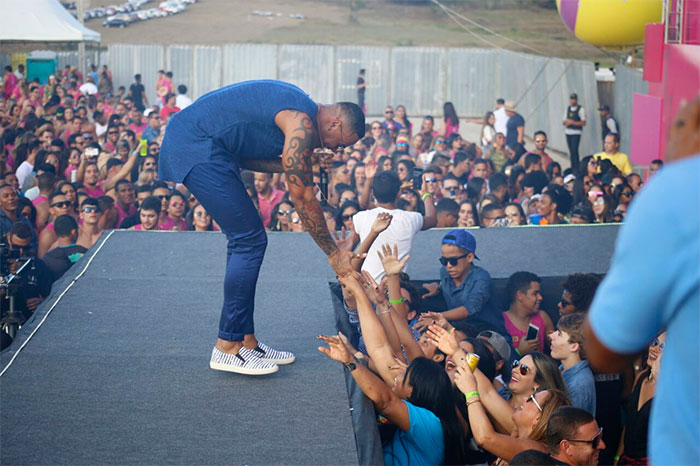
(353, 181)
(450, 113)
(432, 390)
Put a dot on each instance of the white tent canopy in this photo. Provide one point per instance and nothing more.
(41, 21)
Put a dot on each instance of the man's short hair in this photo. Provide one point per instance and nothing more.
(533, 458)
(460, 157)
(46, 181)
(144, 188)
(657, 162)
(447, 205)
(536, 180)
(615, 136)
(105, 203)
(429, 118)
(480, 162)
(119, 183)
(386, 186)
(20, 229)
(537, 133)
(582, 288)
(488, 208)
(355, 117)
(151, 203)
(54, 195)
(500, 101)
(64, 225)
(520, 281)
(113, 162)
(90, 201)
(532, 159)
(572, 324)
(46, 168)
(182, 89)
(563, 424)
(137, 77)
(498, 181)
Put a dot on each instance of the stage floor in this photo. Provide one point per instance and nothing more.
(118, 373)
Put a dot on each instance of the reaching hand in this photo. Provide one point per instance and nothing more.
(382, 222)
(390, 259)
(429, 318)
(370, 170)
(433, 289)
(464, 377)
(342, 262)
(528, 346)
(351, 283)
(344, 240)
(336, 349)
(375, 293)
(444, 340)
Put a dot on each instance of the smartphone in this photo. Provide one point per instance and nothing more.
(532, 332)
(92, 151)
(417, 178)
(143, 149)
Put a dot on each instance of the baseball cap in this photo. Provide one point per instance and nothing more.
(569, 178)
(498, 342)
(463, 239)
(573, 96)
(604, 107)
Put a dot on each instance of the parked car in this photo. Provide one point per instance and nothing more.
(116, 21)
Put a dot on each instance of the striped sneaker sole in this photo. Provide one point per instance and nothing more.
(247, 365)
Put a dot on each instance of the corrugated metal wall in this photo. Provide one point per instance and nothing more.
(420, 78)
(628, 81)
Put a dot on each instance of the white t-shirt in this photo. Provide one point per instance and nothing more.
(88, 89)
(501, 121)
(182, 101)
(23, 171)
(404, 226)
(32, 193)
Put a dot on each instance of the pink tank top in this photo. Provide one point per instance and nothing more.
(450, 128)
(38, 200)
(518, 334)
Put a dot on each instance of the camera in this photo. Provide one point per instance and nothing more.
(17, 273)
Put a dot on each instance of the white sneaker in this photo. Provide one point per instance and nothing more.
(241, 363)
(268, 354)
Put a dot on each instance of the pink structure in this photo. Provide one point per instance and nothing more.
(672, 69)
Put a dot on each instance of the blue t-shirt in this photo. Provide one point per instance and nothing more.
(580, 386)
(654, 283)
(236, 120)
(512, 126)
(423, 443)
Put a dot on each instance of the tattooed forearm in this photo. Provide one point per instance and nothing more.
(263, 165)
(296, 162)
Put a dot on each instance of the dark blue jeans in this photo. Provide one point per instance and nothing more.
(219, 188)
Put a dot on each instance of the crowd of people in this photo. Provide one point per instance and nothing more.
(78, 158)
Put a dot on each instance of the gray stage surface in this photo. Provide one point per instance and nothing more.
(118, 372)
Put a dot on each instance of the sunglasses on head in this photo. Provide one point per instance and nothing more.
(595, 441)
(524, 368)
(655, 342)
(61, 204)
(453, 261)
(534, 400)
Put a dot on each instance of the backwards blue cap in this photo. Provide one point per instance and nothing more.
(461, 238)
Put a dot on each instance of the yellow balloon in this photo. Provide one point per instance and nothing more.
(610, 23)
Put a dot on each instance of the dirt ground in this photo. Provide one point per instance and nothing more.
(378, 22)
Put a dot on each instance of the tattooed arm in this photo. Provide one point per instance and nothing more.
(263, 165)
(300, 139)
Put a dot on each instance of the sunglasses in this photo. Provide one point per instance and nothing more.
(177, 204)
(201, 214)
(595, 441)
(347, 217)
(285, 212)
(440, 141)
(89, 210)
(524, 368)
(565, 303)
(431, 180)
(61, 204)
(163, 196)
(453, 261)
(655, 342)
(534, 400)
(388, 112)
(626, 193)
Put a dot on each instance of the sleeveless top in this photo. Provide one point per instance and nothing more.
(637, 423)
(450, 128)
(518, 334)
(238, 120)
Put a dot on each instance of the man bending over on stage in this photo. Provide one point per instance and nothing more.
(247, 126)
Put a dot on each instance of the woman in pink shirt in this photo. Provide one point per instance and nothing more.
(450, 121)
(175, 218)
